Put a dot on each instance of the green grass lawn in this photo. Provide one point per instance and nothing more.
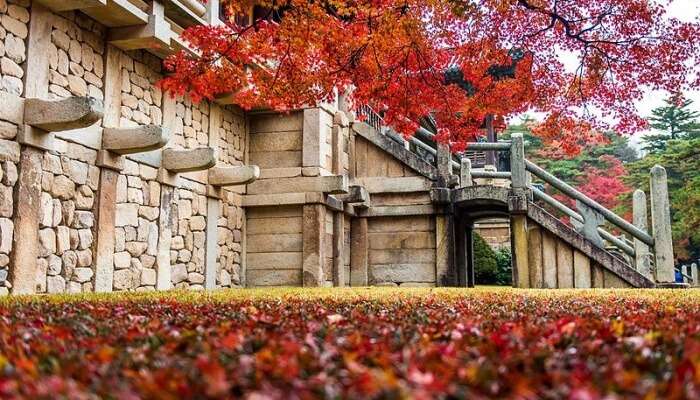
(353, 343)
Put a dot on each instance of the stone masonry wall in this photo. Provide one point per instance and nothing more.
(138, 192)
(141, 101)
(191, 124)
(67, 219)
(76, 65)
(229, 242)
(231, 147)
(9, 157)
(70, 178)
(14, 18)
(136, 228)
(187, 254)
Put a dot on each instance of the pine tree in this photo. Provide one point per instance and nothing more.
(676, 120)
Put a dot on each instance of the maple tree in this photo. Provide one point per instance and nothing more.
(457, 60)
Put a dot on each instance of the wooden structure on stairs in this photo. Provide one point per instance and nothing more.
(107, 184)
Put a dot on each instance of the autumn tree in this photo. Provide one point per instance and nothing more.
(681, 158)
(675, 120)
(457, 60)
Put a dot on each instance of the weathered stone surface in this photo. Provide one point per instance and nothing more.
(63, 188)
(66, 114)
(7, 130)
(82, 274)
(127, 214)
(9, 151)
(197, 223)
(55, 264)
(84, 219)
(62, 239)
(189, 160)
(70, 260)
(8, 173)
(123, 279)
(84, 257)
(122, 260)
(148, 277)
(47, 241)
(6, 202)
(149, 213)
(230, 176)
(135, 140)
(179, 273)
(55, 284)
(136, 248)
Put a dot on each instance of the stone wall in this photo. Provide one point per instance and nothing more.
(14, 18)
(191, 124)
(274, 246)
(9, 157)
(136, 227)
(76, 64)
(276, 142)
(188, 242)
(69, 177)
(141, 99)
(69, 182)
(402, 251)
(231, 151)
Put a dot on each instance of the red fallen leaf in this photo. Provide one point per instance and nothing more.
(230, 341)
(105, 354)
(214, 376)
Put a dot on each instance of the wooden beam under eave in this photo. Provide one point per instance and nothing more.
(69, 5)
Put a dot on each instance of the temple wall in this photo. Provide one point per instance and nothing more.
(87, 217)
(14, 19)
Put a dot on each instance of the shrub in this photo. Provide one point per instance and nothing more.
(491, 267)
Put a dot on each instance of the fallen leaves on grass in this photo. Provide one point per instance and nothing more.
(353, 344)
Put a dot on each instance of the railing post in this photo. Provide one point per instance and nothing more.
(686, 273)
(642, 261)
(694, 273)
(465, 172)
(661, 226)
(517, 162)
(444, 165)
(212, 15)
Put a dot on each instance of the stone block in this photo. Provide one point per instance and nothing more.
(55, 284)
(122, 260)
(84, 219)
(9, 150)
(123, 279)
(198, 223)
(126, 214)
(47, 242)
(6, 235)
(82, 274)
(6, 201)
(84, 257)
(148, 277)
(178, 273)
(63, 188)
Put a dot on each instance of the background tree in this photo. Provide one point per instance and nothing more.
(597, 171)
(681, 158)
(676, 120)
(394, 55)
